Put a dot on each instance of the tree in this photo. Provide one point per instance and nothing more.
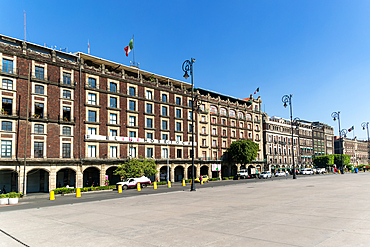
(323, 161)
(346, 160)
(135, 168)
(243, 151)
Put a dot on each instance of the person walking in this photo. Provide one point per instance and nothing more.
(4, 190)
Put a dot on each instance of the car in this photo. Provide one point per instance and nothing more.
(205, 178)
(265, 175)
(306, 171)
(243, 173)
(132, 182)
(280, 174)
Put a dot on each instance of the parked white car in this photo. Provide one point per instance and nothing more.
(306, 171)
(132, 182)
(265, 175)
(243, 173)
(280, 174)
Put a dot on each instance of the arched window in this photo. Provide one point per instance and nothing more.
(241, 115)
(248, 117)
(232, 113)
(223, 112)
(213, 109)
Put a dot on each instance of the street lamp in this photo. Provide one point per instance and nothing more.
(187, 66)
(335, 116)
(296, 121)
(363, 125)
(288, 99)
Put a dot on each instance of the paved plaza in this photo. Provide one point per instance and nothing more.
(331, 210)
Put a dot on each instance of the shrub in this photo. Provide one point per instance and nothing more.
(231, 178)
(188, 181)
(13, 195)
(161, 182)
(213, 179)
(64, 190)
(225, 178)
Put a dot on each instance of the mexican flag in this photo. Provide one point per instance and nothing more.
(257, 90)
(129, 47)
(352, 128)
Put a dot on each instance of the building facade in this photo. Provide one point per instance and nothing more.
(357, 149)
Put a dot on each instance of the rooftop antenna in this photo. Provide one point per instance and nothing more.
(24, 24)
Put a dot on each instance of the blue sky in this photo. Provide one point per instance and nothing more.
(319, 51)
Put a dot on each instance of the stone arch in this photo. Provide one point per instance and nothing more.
(234, 170)
(37, 180)
(67, 167)
(163, 173)
(259, 169)
(225, 171)
(113, 179)
(92, 166)
(91, 176)
(9, 179)
(66, 177)
(190, 171)
(179, 173)
(204, 170)
(223, 111)
(213, 109)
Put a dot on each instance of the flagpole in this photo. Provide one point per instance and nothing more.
(133, 50)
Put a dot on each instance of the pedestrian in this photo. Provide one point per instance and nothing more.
(4, 190)
(59, 185)
(201, 177)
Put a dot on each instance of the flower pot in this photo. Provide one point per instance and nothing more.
(13, 200)
(4, 201)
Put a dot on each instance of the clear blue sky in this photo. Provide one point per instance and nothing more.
(319, 51)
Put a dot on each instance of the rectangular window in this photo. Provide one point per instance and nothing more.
(113, 152)
(149, 108)
(91, 131)
(132, 152)
(178, 138)
(178, 126)
(113, 87)
(190, 128)
(39, 129)
(131, 91)
(67, 94)
(66, 150)
(113, 118)
(190, 115)
(164, 111)
(224, 144)
(132, 105)
(66, 113)
(214, 143)
(164, 98)
(39, 110)
(148, 95)
(149, 123)
(132, 121)
(92, 83)
(6, 126)
(178, 113)
(92, 116)
(113, 102)
(66, 78)
(8, 66)
(204, 130)
(132, 134)
(113, 132)
(214, 131)
(38, 149)
(164, 136)
(91, 99)
(7, 84)
(164, 124)
(39, 89)
(190, 103)
(165, 153)
(178, 101)
(204, 144)
(39, 72)
(179, 153)
(66, 130)
(149, 152)
(6, 149)
(91, 151)
(149, 135)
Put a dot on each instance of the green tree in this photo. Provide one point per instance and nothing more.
(243, 151)
(323, 161)
(135, 168)
(346, 160)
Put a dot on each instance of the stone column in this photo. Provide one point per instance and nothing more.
(79, 177)
(210, 170)
(52, 178)
(198, 170)
(172, 173)
(20, 179)
(157, 175)
(102, 175)
(186, 175)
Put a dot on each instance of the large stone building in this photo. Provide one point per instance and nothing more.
(76, 117)
(310, 139)
(357, 149)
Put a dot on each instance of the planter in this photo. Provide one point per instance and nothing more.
(13, 200)
(4, 201)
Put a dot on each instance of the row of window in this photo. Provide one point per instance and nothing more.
(6, 149)
(38, 128)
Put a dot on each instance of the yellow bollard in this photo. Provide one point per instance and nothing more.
(201, 182)
(52, 196)
(169, 184)
(78, 192)
(155, 185)
(138, 187)
(119, 188)
(183, 182)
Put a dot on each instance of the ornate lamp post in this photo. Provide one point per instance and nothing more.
(288, 99)
(187, 66)
(335, 116)
(296, 123)
(363, 125)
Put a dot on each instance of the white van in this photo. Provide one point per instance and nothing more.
(306, 171)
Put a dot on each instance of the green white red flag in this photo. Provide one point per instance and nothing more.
(129, 47)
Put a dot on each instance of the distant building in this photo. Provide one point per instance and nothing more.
(357, 149)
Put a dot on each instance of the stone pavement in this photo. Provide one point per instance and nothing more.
(310, 211)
